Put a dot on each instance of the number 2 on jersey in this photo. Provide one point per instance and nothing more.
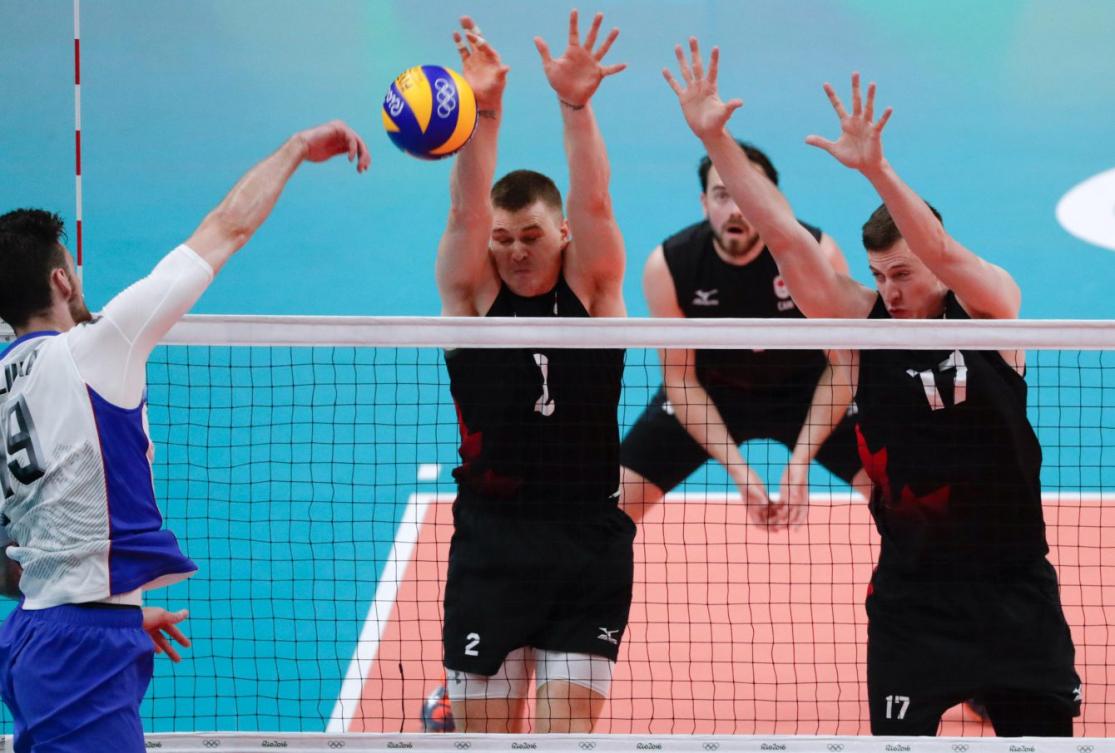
(20, 452)
(545, 403)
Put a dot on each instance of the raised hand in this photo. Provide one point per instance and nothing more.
(705, 113)
(482, 68)
(576, 75)
(162, 626)
(326, 141)
(860, 145)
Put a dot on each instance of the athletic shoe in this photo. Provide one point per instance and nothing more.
(437, 712)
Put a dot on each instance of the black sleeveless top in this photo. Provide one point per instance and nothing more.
(540, 424)
(955, 462)
(708, 287)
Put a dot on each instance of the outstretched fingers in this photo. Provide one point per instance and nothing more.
(574, 33)
(835, 101)
(543, 50)
(590, 40)
(672, 81)
(820, 142)
(883, 120)
(695, 53)
(869, 110)
(608, 40)
(479, 44)
(857, 102)
(713, 65)
(462, 47)
(686, 74)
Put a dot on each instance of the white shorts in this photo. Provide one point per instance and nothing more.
(513, 678)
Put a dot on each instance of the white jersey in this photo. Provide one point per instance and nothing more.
(78, 499)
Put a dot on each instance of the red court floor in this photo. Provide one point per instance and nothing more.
(736, 630)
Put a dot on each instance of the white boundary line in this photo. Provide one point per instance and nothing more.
(379, 612)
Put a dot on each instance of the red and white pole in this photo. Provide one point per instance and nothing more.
(77, 132)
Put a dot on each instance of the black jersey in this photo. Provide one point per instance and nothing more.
(708, 287)
(538, 424)
(955, 462)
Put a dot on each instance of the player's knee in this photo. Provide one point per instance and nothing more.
(488, 715)
(567, 707)
(637, 494)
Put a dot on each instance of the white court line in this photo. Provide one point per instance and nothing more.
(379, 613)
(394, 570)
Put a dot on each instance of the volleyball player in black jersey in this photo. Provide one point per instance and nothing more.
(714, 400)
(963, 601)
(540, 566)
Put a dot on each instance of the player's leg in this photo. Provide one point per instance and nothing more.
(495, 703)
(1037, 691)
(581, 640)
(915, 669)
(493, 605)
(572, 689)
(1022, 713)
(11, 638)
(895, 705)
(638, 494)
(656, 455)
(80, 677)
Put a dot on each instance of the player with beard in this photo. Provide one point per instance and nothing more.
(712, 401)
(963, 602)
(78, 500)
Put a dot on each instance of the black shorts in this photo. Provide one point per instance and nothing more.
(518, 580)
(660, 450)
(932, 645)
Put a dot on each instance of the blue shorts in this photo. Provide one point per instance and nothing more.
(74, 676)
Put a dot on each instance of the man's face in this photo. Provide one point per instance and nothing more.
(909, 289)
(732, 233)
(527, 247)
(76, 303)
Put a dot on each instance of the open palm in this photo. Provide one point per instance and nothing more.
(481, 65)
(860, 145)
(576, 75)
(704, 111)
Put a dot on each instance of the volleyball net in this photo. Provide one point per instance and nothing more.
(305, 464)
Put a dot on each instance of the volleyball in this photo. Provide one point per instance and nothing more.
(429, 111)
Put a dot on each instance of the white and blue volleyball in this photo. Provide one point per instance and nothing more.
(429, 111)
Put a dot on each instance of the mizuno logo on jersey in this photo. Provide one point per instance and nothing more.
(608, 635)
(705, 297)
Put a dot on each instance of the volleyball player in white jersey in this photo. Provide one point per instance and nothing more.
(75, 464)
